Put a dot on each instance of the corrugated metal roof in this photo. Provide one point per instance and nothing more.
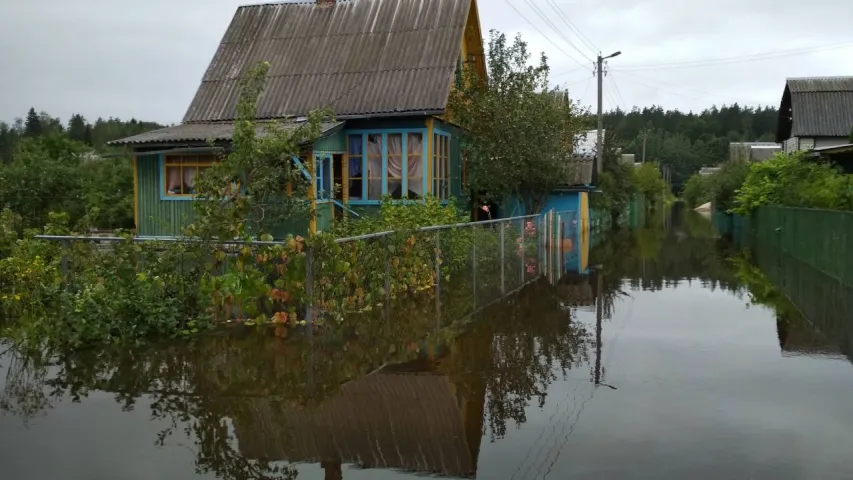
(357, 56)
(200, 132)
(820, 84)
(821, 106)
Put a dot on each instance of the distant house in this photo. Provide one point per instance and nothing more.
(386, 69)
(752, 151)
(815, 113)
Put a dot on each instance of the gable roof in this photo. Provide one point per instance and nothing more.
(816, 107)
(360, 57)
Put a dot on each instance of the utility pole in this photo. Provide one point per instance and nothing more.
(644, 145)
(599, 141)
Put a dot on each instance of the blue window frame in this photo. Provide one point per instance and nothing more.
(323, 179)
(387, 162)
(441, 162)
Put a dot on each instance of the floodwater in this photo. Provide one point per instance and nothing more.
(668, 357)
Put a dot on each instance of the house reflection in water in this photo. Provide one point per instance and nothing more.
(408, 417)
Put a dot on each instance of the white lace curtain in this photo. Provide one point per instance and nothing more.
(374, 167)
(415, 163)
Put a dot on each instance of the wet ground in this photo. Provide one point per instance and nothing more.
(672, 356)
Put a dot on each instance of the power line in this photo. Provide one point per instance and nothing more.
(684, 88)
(548, 22)
(737, 59)
(583, 38)
(618, 93)
(543, 34)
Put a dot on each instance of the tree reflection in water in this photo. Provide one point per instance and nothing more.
(250, 405)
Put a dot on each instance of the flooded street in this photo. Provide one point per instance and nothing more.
(669, 355)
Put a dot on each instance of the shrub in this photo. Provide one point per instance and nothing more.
(792, 180)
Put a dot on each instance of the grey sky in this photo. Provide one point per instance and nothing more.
(145, 59)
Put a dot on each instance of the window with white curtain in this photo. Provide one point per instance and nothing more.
(180, 173)
(402, 156)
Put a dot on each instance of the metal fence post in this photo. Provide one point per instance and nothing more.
(309, 287)
(503, 261)
(521, 250)
(438, 278)
(474, 268)
(387, 279)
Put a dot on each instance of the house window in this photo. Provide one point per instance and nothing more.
(415, 165)
(390, 163)
(374, 167)
(356, 167)
(181, 172)
(323, 166)
(441, 160)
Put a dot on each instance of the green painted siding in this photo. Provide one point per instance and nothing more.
(336, 142)
(160, 218)
(325, 216)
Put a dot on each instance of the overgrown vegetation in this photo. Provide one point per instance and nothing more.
(794, 181)
(718, 188)
(82, 293)
(518, 132)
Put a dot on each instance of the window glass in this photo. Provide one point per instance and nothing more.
(395, 165)
(356, 167)
(415, 165)
(374, 167)
(181, 172)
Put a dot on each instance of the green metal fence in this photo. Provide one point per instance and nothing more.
(823, 239)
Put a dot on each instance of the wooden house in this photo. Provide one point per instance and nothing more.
(386, 69)
(815, 113)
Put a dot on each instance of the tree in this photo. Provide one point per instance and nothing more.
(33, 124)
(6, 143)
(257, 186)
(517, 131)
(77, 128)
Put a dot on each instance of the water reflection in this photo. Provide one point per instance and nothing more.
(375, 395)
(654, 318)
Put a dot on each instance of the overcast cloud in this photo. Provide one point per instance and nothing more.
(145, 59)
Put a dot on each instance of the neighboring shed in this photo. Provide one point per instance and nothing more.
(815, 112)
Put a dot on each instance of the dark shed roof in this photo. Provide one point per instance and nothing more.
(816, 107)
(202, 132)
(360, 57)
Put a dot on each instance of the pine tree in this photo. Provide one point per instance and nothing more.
(5, 143)
(77, 128)
(32, 126)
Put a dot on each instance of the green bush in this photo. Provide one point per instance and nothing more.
(793, 180)
(697, 190)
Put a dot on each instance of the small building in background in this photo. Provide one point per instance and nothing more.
(752, 151)
(815, 113)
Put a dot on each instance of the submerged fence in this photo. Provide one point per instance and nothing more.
(822, 239)
(460, 268)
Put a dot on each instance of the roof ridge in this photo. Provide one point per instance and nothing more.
(328, 74)
(350, 34)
